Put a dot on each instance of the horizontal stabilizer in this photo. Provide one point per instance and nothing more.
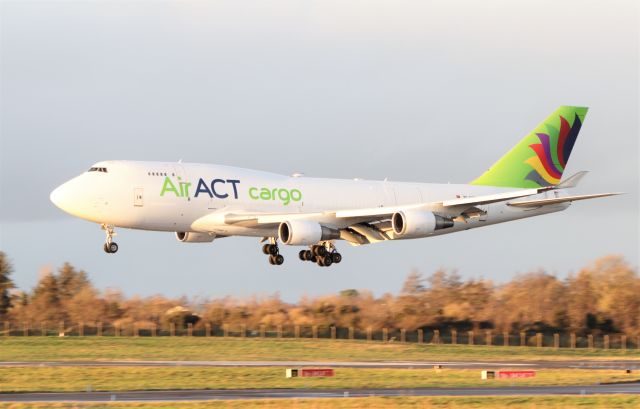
(546, 202)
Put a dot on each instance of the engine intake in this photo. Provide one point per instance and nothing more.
(408, 224)
(303, 232)
(193, 237)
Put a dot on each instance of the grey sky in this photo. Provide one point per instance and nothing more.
(416, 91)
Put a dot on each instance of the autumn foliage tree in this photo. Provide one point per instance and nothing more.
(603, 297)
(5, 284)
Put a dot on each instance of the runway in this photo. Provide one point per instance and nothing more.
(564, 364)
(195, 395)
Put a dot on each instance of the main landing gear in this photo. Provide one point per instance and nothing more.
(275, 258)
(110, 246)
(322, 254)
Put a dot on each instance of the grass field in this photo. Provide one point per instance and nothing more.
(75, 378)
(192, 348)
(497, 402)
(59, 379)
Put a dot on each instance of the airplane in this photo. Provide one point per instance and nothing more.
(203, 202)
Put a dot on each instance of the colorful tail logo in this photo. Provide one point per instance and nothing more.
(546, 170)
(540, 157)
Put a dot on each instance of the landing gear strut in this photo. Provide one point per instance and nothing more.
(110, 246)
(324, 254)
(271, 248)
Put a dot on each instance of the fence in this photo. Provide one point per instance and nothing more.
(437, 337)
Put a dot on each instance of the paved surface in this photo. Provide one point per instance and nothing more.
(189, 395)
(580, 364)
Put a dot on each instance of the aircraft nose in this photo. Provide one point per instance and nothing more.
(60, 196)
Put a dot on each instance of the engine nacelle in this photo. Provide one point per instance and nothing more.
(191, 237)
(303, 232)
(409, 224)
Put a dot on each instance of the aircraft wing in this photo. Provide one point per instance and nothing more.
(370, 225)
(452, 206)
(358, 226)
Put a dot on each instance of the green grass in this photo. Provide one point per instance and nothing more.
(67, 379)
(194, 348)
(496, 402)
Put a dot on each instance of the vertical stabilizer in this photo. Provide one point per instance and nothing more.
(541, 157)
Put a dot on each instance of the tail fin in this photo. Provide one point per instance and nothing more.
(540, 158)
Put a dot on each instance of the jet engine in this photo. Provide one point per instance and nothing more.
(410, 224)
(303, 232)
(191, 237)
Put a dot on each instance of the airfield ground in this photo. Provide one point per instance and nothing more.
(86, 367)
(444, 402)
(69, 378)
(247, 349)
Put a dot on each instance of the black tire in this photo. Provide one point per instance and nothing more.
(327, 260)
(113, 247)
(272, 260)
(106, 248)
(336, 257)
(265, 248)
(308, 255)
(319, 261)
(320, 251)
(278, 259)
(313, 259)
(302, 255)
(273, 249)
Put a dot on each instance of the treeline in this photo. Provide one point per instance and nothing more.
(603, 297)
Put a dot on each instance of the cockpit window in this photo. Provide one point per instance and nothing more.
(95, 169)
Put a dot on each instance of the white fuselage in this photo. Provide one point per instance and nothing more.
(165, 196)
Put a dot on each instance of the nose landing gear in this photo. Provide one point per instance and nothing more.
(110, 246)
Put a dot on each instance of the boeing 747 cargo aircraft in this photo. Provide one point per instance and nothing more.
(202, 202)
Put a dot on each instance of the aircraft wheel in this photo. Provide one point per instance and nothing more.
(106, 248)
(320, 251)
(327, 260)
(265, 248)
(302, 255)
(272, 260)
(273, 249)
(278, 259)
(113, 247)
(336, 257)
(313, 259)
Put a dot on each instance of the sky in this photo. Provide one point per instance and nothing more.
(424, 91)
